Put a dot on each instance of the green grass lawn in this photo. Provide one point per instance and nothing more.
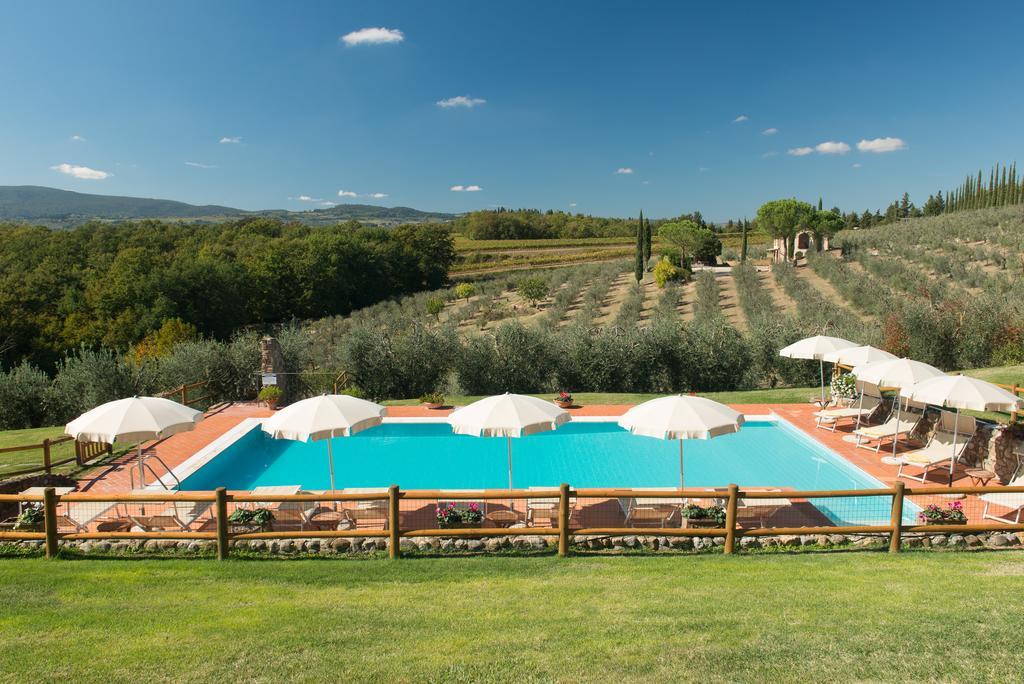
(20, 460)
(823, 617)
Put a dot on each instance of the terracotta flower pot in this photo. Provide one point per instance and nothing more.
(701, 523)
(563, 404)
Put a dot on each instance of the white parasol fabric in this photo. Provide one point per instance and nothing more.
(681, 417)
(858, 356)
(135, 419)
(507, 415)
(324, 417)
(815, 348)
(896, 373)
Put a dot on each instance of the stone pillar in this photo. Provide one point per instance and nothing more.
(272, 364)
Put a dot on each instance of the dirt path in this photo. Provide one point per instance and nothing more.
(613, 300)
(685, 305)
(729, 303)
(779, 297)
(652, 293)
(827, 290)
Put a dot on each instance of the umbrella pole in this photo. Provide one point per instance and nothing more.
(860, 407)
(952, 457)
(896, 437)
(680, 465)
(509, 448)
(821, 368)
(330, 462)
(142, 477)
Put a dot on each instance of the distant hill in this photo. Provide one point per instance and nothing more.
(65, 209)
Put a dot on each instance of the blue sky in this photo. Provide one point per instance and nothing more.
(257, 104)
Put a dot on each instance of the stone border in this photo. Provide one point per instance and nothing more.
(527, 544)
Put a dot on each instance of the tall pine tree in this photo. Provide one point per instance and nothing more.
(648, 239)
(743, 248)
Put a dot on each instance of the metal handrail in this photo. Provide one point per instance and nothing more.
(144, 463)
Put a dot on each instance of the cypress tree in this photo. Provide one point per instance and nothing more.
(648, 238)
(743, 248)
(638, 266)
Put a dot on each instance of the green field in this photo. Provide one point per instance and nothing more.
(822, 617)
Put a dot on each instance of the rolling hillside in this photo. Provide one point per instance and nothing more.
(66, 209)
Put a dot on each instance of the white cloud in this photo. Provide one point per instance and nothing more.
(832, 147)
(465, 188)
(328, 203)
(856, 166)
(305, 198)
(373, 36)
(623, 170)
(800, 151)
(77, 138)
(770, 131)
(473, 188)
(702, 169)
(741, 118)
(347, 193)
(646, 182)
(879, 145)
(201, 166)
(378, 195)
(81, 172)
(230, 140)
(461, 101)
(572, 204)
(771, 154)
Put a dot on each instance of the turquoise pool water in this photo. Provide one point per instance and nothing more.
(584, 454)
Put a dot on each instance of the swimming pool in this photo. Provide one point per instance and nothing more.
(598, 453)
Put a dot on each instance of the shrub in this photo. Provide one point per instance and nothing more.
(665, 272)
(533, 289)
(270, 394)
(25, 398)
(435, 305)
(88, 378)
(465, 290)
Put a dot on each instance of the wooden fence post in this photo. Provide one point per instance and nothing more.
(221, 503)
(730, 519)
(395, 533)
(50, 521)
(896, 519)
(563, 520)
(78, 452)
(46, 455)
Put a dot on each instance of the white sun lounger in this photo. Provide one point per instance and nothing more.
(1015, 502)
(872, 437)
(657, 510)
(829, 418)
(939, 450)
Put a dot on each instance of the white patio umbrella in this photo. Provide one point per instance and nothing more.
(324, 417)
(135, 419)
(962, 392)
(507, 415)
(815, 348)
(896, 373)
(681, 417)
(858, 356)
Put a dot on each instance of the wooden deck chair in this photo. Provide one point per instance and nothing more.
(940, 449)
(653, 511)
(861, 410)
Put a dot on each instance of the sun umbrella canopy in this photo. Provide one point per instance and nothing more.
(858, 356)
(902, 373)
(507, 415)
(681, 417)
(815, 348)
(962, 392)
(133, 420)
(330, 415)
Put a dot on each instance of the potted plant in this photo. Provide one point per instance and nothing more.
(449, 516)
(564, 400)
(271, 395)
(432, 400)
(251, 519)
(701, 516)
(30, 519)
(953, 514)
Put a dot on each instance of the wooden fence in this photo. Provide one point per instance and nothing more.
(182, 394)
(223, 533)
(84, 452)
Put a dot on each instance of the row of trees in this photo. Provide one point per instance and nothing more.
(1004, 188)
(113, 285)
(785, 218)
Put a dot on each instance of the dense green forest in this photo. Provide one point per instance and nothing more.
(112, 285)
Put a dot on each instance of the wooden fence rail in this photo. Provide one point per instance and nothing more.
(393, 532)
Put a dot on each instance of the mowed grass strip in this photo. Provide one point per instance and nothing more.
(823, 617)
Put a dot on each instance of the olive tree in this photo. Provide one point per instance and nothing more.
(783, 218)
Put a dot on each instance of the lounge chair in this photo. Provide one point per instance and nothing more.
(542, 510)
(1015, 502)
(943, 447)
(373, 512)
(288, 515)
(762, 509)
(656, 511)
(872, 437)
(861, 410)
(178, 516)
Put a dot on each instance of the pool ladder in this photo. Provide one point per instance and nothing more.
(144, 465)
